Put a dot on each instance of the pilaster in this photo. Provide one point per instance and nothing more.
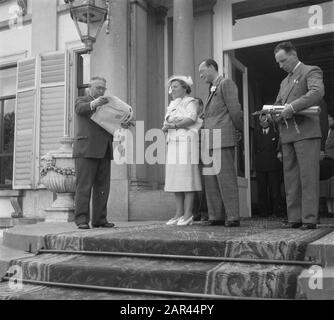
(44, 26)
(183, 55)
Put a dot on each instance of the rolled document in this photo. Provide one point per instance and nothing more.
(272, 109)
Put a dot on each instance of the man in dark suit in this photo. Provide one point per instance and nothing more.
(92, 151)
(222, 111)
(300, 136)
(268, 168)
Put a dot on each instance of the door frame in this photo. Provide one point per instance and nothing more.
(244, 183)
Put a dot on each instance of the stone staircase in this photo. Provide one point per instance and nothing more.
(255, 261)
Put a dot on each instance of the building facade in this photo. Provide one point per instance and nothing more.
(44, 66)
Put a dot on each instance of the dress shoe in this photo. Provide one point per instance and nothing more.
(173, 221)
(291, 225)
(106, 225)
(187, 222)
(83, 226)
(308, 226)
(231, 224)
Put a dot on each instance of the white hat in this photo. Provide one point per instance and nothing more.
(186, 79)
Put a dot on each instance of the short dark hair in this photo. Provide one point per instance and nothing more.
(211, 62)
(183, 85)
(287, 46)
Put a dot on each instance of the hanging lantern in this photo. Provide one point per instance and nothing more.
(89, 16)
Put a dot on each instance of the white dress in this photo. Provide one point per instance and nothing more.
(182, 157)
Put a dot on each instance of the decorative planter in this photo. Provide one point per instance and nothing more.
(58, 176)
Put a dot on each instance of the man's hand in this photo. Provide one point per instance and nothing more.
(280, 156)
(127, 125)
(168, 126)
(98, 102)
(287, 112)
(322, 155)
(239, 135)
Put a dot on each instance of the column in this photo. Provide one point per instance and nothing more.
(109, 59)
(139, 66)
(44, 26)
(203, 39)
(183, 35)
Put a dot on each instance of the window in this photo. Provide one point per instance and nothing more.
(83, 72)
(7, 120)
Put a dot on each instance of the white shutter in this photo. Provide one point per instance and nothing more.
(23, 167)
(52, 103)
(40, 115)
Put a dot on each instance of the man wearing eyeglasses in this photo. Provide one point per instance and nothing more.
(92, 150)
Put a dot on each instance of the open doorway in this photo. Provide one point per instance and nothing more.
(265, 76)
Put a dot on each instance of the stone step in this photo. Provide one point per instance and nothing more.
(41, 292)
(244, 242)
(7, 255)
(225, 279)
(11, 222)
(254, 239)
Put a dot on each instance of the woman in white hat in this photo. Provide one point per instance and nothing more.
(182, 125)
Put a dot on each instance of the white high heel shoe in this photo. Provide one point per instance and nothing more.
(187, 222)
(173, 221)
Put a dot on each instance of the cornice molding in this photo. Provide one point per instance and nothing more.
(140, 3)
(203, 7)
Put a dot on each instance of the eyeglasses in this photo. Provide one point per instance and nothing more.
(101, 88)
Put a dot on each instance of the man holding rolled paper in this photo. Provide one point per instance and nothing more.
(300, 136)
(92, 150)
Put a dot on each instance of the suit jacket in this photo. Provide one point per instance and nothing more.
(91, 141)
(303, 89)
(222, 111)
(266, 148)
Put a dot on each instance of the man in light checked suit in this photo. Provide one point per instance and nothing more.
(221, 111)
(300, 136)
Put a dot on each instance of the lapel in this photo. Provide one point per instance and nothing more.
(211, 94)
(293, 81)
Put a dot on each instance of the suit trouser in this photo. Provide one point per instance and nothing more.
(301, 179)
(269, 192)
(92, 173)
(222, 189)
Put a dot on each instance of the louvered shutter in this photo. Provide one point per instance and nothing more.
(52, 102)
(23, 168)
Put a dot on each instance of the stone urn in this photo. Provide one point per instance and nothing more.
(58, 176)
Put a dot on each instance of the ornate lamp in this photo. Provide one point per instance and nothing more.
(89, 16)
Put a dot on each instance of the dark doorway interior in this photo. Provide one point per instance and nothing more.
(265, 76)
